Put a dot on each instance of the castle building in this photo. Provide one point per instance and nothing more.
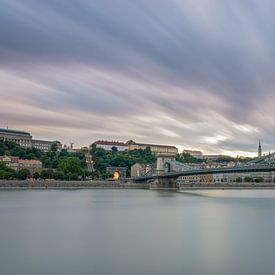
(25, 140)
(111, 145)
(155, 148)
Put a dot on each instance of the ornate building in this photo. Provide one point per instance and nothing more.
(25, 140)
(259, 149)
(155, 148)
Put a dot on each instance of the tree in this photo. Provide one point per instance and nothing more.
(59, 175)
(114, 149)
(248, 179)
(259, 179)
(54, 147)
(23, 174)
(44, 174)
(239, 179)
(36, 175)
(70, 165)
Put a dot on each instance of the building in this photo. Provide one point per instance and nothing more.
(189, 179)
(46, 146)
(24, 139)
(11, 162)
(259, 149)
(155, 148)
(32, 165)
(140, 169)
(206, 178)
(111, 145)
(194, 153)
(117, 172)
(214, 157)
(19, 164)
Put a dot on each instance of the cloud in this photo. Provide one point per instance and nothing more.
(194, 74)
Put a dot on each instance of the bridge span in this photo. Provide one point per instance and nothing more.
(168, 180)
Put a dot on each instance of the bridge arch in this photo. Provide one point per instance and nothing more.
(165, 163)
(167, 167)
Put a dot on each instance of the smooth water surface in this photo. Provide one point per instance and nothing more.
(137, 232)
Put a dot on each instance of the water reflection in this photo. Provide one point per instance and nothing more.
(136, 232)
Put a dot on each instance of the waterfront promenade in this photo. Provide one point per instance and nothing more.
(105, 184)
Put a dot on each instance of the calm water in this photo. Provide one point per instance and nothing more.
(137, 232)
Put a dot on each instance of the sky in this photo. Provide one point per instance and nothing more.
(195, 74)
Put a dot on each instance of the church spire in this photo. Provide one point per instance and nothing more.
(260, 149)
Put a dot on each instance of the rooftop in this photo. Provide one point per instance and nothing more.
(10, 131)
(106, 142)
(131, 142)
(29, 161)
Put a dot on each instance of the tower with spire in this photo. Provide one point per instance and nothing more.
(260, 149)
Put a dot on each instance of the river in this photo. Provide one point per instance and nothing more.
(137, 232)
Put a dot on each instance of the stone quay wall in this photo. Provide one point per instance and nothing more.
(54, 184)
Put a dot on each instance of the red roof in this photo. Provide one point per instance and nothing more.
(12, 159)
(114, 143)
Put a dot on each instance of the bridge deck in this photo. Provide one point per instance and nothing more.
(236, 169)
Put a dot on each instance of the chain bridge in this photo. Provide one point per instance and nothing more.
(166, 173)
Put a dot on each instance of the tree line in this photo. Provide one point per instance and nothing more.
(64, 165)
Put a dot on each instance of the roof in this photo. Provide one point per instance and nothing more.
(106, 142)
(131, 142)
(44, 141)
(10, 131)
(192, 151)
(12, 159)
(29, 161)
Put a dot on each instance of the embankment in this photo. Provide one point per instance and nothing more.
(55, 184)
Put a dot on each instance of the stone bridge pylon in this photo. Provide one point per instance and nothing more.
(165, 163)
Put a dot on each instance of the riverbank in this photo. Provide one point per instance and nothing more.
(104, 184)
(55, 184)
(231, 186)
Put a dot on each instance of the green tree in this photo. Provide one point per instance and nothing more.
(114, 149)
(248, 179)
(36, 175)
(23, 174)
(54, 147)
(59, 175)
(70, 165)
(239, 179)
(45, 174)
(259, 179)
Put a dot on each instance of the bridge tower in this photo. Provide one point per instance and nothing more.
(166, 163)
(259, 149)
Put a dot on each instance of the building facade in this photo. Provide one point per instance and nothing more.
(46, 146)
(140, 169)
(19, 164)
(111, 145)
(155, 148)
(24, 139)
(194, 153)
(117, 172)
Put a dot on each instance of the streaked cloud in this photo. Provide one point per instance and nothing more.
(197, 74)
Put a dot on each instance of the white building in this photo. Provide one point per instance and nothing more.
(111, 145)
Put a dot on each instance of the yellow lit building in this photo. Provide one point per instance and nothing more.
(155, 148)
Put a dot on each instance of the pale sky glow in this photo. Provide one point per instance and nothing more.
(195, 74)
